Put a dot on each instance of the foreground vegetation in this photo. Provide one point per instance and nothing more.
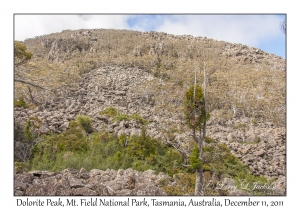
(75, 148)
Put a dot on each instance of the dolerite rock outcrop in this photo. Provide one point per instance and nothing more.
(117, 86)
(263, 149)
(99, 89)
(250, 55)
(71, 182)
(261, 146)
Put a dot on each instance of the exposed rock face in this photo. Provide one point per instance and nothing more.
(265, 154)
(244, 54)
(260, 146)
(97, 90)
(71, 182)
(103, 183)
(117, 86)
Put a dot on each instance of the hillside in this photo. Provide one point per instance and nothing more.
(242, 79)
(144, 76)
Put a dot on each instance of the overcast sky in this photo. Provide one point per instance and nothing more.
(261, 31)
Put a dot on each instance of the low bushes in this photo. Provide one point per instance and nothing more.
(119, 116)
(76, 148)
(85, 122)
(103, 150)
(20, 103)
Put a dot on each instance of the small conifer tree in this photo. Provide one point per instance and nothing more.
(196, 117)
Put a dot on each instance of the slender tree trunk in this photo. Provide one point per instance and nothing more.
(199, 179)
(195, 84)
(199, 171)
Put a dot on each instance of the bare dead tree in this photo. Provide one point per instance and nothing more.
(26, 139)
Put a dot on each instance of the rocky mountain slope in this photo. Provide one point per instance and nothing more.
(241, 80)
(71, 182)
(148, 75)
(117, 87)
(96, 182)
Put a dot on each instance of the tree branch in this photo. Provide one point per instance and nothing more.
(28, 83)
(186, 157)
(194, 135)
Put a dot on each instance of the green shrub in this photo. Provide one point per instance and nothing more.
(85, 122)
(209, 140)
(121, 117)
(27, 138)
(21, 167)
(195, 162)
(118, 156)
(185, 185)
(123, 140)
(73, 124)
(206, 167)
(20, 103)
(103, 150)
(31, 129)
(225, 164)
(139, 118)
(246, 181)
(110, 112)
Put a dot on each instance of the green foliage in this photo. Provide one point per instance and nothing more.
(194, 160)
(21, 55)
(222, 163)
(21, 167)
(20, 103)
(141, 146)
(74, 140)
(123, 140)
(26, 139)
(119, 116)
(110, 112)
(117, 156)
(163, 182)
(31, 129)
(73, 123)
(85, 122)
(102, 150)
(209, 140)
(185, 185)
(139, 118)
(206, 167)
(194, 108)
(247, 182)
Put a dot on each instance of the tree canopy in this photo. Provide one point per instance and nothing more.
(21, 55)
(194, 111)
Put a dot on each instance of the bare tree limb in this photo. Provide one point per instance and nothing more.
(186, 157)
(28, 83)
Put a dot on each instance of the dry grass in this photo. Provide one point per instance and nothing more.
(253, 90)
